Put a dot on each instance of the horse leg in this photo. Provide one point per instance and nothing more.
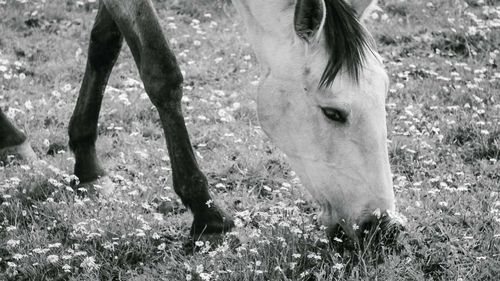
(162, 79)
(105, 45)
(13, 141)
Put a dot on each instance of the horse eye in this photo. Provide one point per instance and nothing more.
(334, 114)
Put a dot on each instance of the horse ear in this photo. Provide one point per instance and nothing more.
(361, 6)
(309, 18)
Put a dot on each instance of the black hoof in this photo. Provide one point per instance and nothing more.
(212, 221)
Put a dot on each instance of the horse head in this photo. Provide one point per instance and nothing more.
(322, 101)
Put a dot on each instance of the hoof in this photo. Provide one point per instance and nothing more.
(212, 221)
(22, 151)
(102, 186)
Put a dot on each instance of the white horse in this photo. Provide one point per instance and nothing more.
(321, 100)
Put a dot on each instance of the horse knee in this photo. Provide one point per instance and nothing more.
(163, 86)
(104, 47)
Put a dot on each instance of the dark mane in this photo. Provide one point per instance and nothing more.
(346, 41)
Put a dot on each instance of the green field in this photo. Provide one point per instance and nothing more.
(443, 113)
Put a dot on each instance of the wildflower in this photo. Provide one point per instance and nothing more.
(66, 88)
(10, 228)
(443, 204)
(55, 245)
(198, 243)
(17, 256)
(13, 243)
(212, 254)
(89, 264)
(158, 217)
(11, 270)
(80, 253)
(40, 251)
(209, 203)
(66, 268)
(162, 246)
(255, 234)
(205, 276)
(189, 277)
(53, 258)
(314, 256)
(296, 230)
(200, 268)
(28, 105)
(338, 266)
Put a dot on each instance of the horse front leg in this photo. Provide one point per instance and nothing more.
(162, 79)
(105, 45)
(13, 141)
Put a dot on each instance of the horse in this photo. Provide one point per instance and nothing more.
(321, 100)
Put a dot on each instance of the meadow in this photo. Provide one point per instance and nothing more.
(443, 113)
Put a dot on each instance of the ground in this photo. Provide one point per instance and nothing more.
(443, 111)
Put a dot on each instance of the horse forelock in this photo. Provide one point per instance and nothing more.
(347, 42)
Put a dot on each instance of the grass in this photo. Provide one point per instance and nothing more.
(444, 126)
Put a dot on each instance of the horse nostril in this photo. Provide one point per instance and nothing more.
(391, 231)
(371, 233)
(381, 230)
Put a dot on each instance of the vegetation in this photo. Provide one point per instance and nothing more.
(444, 130)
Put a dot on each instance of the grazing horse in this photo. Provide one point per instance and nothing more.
(321, 100)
